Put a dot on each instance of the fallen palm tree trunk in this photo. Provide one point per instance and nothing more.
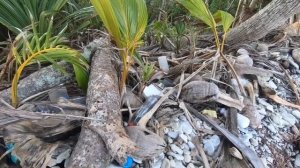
(90, 151)
(269, 18)
(103, 103)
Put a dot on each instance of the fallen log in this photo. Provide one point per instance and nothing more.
(47, 77)
(44, 79)
(275, 14)
(103, 103)
(89, 152)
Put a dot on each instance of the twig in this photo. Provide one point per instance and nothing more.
(280, 100)
(126, 109)
(143, 121)
(129, 110)
(214, 69)
(253, 4)
(188, 115)
(201, 151)
(6, 104)
(247, 152)
(223, 83)
(161, 10)
(9, 59)
(234, 74)
(180, 85)
(33, 96)
(6, 153)
(238, 12)
(294, 87)
(38, 116)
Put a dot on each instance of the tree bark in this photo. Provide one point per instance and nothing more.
(39, 81)
(46, 78)
(269, 18)
(89, 152)
(103, 102)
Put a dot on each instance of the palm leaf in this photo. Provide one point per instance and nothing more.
(15, 14)
(126, 21)
(31, 47)
(199, 9)
(225, 19)
(53, 55)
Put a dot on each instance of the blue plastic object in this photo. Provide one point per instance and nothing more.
(12, 158)
(129, 162)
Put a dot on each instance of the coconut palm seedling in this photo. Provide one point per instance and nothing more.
(198, 9)
(125, 20)
(31, 47)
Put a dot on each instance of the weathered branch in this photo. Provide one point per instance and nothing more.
(103, 103)
(269, 18)
(44, 79)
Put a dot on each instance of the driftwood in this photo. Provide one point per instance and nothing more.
(46, 78)
(275, 14)
(39, 137)
(103, 103)
(89, 152)
(39, 81)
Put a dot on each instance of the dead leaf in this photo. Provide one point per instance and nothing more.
(151, 145)
(293, 29)
(130, 98)
(242, 69)
(272, 95)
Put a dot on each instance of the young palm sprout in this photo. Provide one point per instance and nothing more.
(125, 20)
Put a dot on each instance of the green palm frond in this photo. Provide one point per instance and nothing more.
(225, 19)
(15, 14)
(126, 21)
(199, 9)
(33, 47)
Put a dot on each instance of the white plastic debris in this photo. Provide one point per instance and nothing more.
(151, 90)
(163, 63)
